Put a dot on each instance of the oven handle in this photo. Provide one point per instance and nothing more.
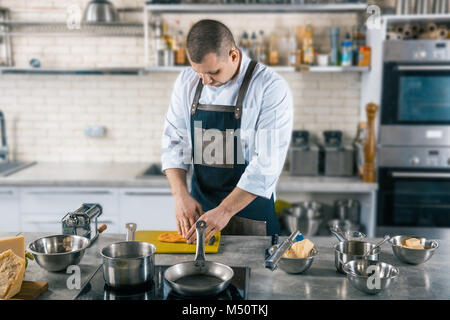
(424, 175)
(423, 68)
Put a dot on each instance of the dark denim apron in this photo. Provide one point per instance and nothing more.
(217, 175)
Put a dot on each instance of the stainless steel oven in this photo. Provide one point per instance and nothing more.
(415, 103)
(414, 191)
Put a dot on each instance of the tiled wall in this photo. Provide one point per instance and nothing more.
(46, 114)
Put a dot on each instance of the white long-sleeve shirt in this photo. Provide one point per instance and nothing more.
(266, 124)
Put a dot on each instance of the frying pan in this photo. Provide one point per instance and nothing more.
(199, 277)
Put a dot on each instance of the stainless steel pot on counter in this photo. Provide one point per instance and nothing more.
(347, 250)
(353, 250)
(129, 263)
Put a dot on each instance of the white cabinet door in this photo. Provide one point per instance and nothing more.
(42, 209)
(150, 209)
(9, 210)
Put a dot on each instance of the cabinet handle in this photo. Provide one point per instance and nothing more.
(68, 192)
(6, 193)
(147, 193)
(423, 68)
(40, 220)
(424, 175)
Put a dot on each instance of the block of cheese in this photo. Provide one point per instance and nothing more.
(413, 243)
(16, 244)
(300, 249)
(12, 270)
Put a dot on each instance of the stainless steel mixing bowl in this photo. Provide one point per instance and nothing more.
(413, 256)
(305, 210)
(360, 273)
(295, 265)
(308, 227)
(57, 252)
(352, 250)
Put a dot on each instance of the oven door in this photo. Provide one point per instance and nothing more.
(414, 201)
(415, 94)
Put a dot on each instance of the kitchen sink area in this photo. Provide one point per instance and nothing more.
(9, 168)
(154, 170)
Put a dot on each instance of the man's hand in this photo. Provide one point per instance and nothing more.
(216, 219)
(187, 210)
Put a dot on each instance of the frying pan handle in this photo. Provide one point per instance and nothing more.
(131, 228)
(200, 227)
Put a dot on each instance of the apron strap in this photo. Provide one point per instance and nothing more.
(198, 92)
(243, 89)
(241, 95)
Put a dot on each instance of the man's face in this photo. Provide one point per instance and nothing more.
(216, 71)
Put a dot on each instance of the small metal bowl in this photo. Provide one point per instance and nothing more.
(56, 253)
(360, 273)
(413, 256)
(295, 265)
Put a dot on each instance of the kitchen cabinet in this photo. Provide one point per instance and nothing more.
(41, 209)
(9, 210)
(150, 209)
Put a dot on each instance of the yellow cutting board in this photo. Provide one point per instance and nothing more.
(166, 247)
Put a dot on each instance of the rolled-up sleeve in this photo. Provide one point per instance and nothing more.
(176, 148)
(270, 142)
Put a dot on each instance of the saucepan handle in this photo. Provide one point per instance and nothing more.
(131, 228)
(200, 227)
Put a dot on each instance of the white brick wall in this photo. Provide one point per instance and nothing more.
(46, 114)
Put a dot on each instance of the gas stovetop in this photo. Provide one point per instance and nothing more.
(96, 288)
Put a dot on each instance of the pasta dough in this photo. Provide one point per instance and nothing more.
(171, 237)
(300, 249)
(413, 243)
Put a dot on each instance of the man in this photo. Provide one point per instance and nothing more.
(231, 117)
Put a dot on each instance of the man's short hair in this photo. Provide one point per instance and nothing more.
(208, 36)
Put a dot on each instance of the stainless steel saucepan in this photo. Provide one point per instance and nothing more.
(130, 263)
(199, 277)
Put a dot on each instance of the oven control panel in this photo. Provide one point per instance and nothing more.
(417, 51)
(418, 157)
